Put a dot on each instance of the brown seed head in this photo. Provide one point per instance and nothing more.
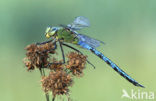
(57, 66)
(76, 63)
(57, 82)
(37, 55)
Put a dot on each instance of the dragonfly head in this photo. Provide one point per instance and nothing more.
(51, 32)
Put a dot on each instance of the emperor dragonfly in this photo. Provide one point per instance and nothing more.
(68, 34)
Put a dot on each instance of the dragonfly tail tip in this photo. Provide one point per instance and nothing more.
(139, 85)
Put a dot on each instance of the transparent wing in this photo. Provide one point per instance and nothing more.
(79, 23)
(90, 41)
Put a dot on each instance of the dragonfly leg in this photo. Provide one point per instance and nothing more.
(44, 42)
(78, 52)
(62, 51)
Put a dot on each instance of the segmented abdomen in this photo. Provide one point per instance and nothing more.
(109, 62)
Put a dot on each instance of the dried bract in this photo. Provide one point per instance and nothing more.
(76, 63)
(37, 55)
(57, 65)
(59, 79)
(57, 82)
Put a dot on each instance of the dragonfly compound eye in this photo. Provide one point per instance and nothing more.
(48, 30)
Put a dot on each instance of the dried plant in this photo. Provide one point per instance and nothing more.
(61, 75)
(57, 66)
(76, 63)
(57, 82)
(38, 55)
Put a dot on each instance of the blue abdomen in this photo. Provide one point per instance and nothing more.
(109, 62)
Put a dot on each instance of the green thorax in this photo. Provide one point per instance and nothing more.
(67, 36)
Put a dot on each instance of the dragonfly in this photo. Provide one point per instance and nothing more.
(65, 34)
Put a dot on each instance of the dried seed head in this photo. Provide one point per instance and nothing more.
(57, 82)
(76, 63)
(37, 55)
(46, 48)
(57, 65)
(28, 64)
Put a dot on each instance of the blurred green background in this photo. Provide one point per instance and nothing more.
(128, 27)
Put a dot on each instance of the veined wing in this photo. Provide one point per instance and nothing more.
(79, 23)
(90, 41)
